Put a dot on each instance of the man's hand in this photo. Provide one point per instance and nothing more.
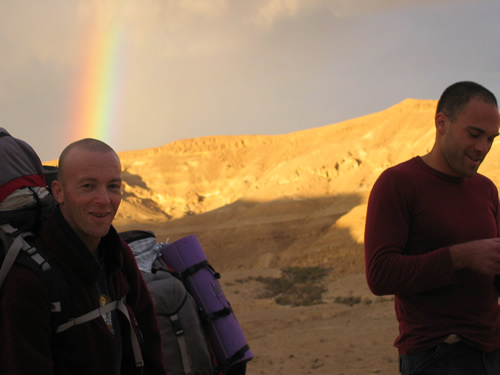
(482, 256)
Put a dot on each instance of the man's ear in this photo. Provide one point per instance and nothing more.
(441, 121)
(58, 191)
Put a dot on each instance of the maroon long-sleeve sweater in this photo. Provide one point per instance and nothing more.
(414, 215)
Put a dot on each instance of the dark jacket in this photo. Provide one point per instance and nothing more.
(28, 344)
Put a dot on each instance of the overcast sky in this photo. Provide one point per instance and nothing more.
(175, 69)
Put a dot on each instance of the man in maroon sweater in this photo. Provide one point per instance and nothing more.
(431, 239)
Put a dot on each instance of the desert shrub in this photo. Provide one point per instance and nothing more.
(350, 300)
(355, 300)
(296, 286)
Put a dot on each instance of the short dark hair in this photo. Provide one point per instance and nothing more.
(456, 97)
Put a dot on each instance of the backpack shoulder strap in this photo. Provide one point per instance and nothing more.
(17, 243)
(21, 252)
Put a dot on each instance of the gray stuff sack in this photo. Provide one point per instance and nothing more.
(185, 346)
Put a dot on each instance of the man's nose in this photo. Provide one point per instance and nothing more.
(102, 195)
(483, 145)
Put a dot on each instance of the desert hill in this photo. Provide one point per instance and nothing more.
(262, 202)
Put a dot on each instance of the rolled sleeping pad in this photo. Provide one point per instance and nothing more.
(224, 332)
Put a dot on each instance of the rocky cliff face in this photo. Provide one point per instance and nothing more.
(297, 199)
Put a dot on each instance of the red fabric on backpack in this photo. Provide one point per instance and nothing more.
(20, 165)
(25, 181)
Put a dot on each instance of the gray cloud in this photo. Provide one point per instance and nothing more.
(191, 68)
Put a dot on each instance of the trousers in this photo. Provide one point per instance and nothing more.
(451, 359)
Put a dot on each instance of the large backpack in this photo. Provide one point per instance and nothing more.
(185, 346)
(25, 201)
(199, 330)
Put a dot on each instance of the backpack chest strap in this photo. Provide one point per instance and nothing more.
(115, 305)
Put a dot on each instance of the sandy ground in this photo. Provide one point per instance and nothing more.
(330, 338)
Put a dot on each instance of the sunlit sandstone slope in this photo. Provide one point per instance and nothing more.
(296, 199)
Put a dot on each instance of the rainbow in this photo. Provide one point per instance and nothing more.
(95, 106)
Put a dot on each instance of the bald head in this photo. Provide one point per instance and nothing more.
(86, 144)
